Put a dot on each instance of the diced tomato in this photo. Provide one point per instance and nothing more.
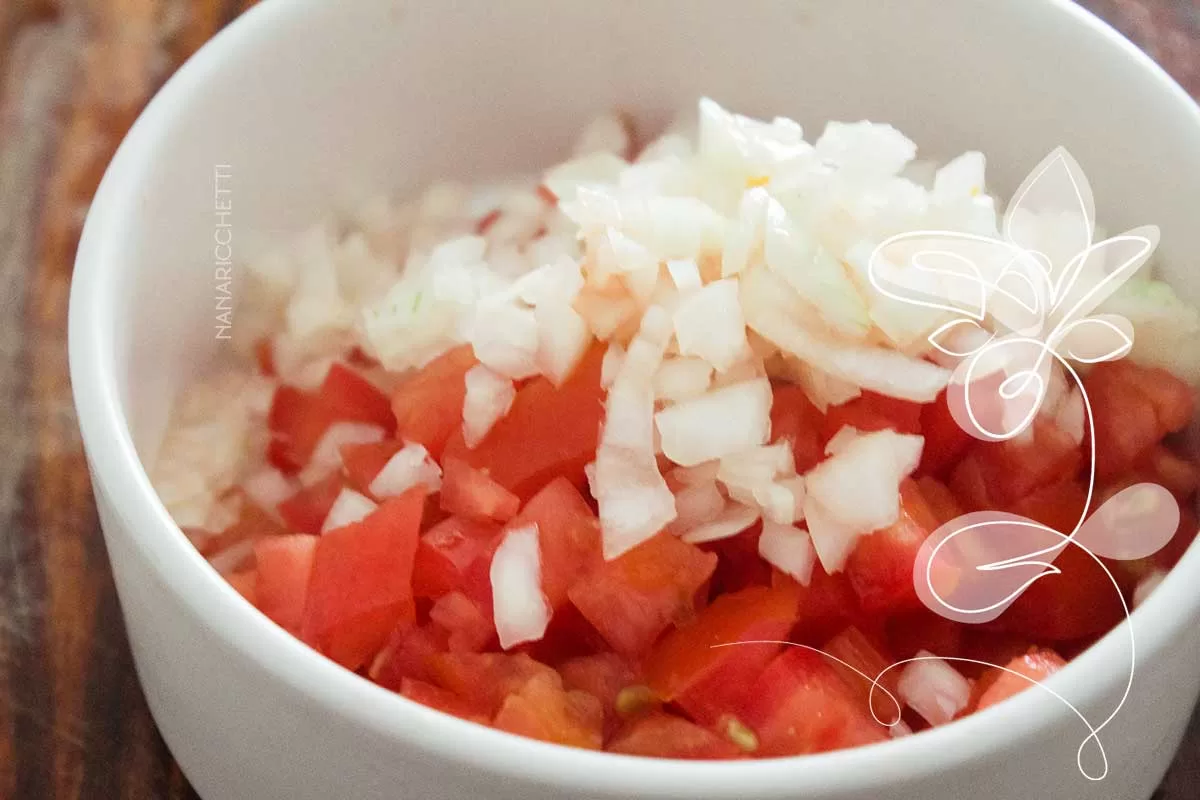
(362, 462)
(1185, 534)
(1171, 399)
(1011, 469)
(569, 635)
(740, 565)
(827, 605)
(796, 420)
(446, 553)
(945, 440)
(408, 653)
(871, 662)
(997, 685)
(633, 599)
(968, 485)
(1058, 506)
(880, 567)
(361, 583)
(663, 735)
(305, 511)
(252, 524)
(284, 566)
(428, 405)
(1180, 476)
(471, 493)
(602, 675)
(469, 630)
(1126, 427)
(1079, 602)
(547, 433)
(436, 697)
(702, 668)
(873, 412)
(485, 679)
(353, 398)
(542, 709)
(245, 583)
(939, 498)
(800, 705)
(568, 536)
(909, 633)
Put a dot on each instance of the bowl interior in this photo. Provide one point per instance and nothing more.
(310, 109)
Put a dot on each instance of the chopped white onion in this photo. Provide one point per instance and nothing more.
(732, 521)
(681, 379)
(268, 487)
(702, 473)
(348, 508)
(614, 356)
(634, 500)
(488, 398)
(832, 539)
(233, 557)
(563, 338)
(789, 549)
(841, 440)
(709, 324)
(520, 609)
(696, 505)
(326, 456)
(717, 424)
(860, 484)
(407, 468)
(685, 274)
(934, 689)
(505, 338)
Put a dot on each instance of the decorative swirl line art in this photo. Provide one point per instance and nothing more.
(1018, 311)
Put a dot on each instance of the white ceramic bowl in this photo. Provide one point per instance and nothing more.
(310, 103)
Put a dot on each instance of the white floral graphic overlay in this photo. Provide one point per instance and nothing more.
(1018, 322)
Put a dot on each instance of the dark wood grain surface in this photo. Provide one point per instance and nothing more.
(73, 75)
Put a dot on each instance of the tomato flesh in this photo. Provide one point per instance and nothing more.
(880, 568)
(662, 735)
(471, 493)
(428, 405)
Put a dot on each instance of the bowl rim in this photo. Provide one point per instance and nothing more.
(119, 474)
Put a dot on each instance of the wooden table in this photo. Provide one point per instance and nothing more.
(73, 75)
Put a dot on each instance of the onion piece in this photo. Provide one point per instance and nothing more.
(327, 457)
(732, 521)
(407, 468)
(233, 558)
(833, 540)
(614, 356)
(704, 472)
(709, 324)
(934, 689)
(488, 398)
(505, 337)
(563, 338)
(841, 440)
(717, 424)
(268, 487)
(520, 609)
(789, 549)
(860, 485)
(680, 379)
(697, 505)
(685, 274)
(887, 372)
(348, 508)
(635, 502)
(1071, 416)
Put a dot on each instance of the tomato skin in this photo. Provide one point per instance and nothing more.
(568, 537)
(446, 554)
(245, 583)
(353, 398)
(542, 709)
(362, 462)
(799, 705)
(408, 653)
(880, 567)
(297, 421)
(305, 511)
(428, 405)
(796, 420)
(873, 412)
(485, 679)
(1080, 602)
(996, 685)
(471, 493)
(689, 668)
(663, 735)
(945, 440)
(870, 660)
(549, 432)
(284, 568)
(447, 702)
(633, 599)
(361, 585)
